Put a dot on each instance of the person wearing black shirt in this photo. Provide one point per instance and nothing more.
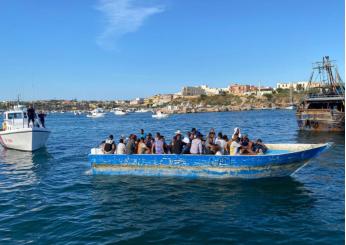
(109, 146)
(31, 115)
(177, 145)
(41, 116)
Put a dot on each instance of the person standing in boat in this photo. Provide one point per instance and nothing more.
(109, 146)
(143, 135)
(41, 116)
(31, 115)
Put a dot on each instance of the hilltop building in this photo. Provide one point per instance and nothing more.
(240, 89)
(202, 90)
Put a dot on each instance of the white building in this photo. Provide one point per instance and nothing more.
(210, 91)
(203, 89)
(137, 101)
(300, 85)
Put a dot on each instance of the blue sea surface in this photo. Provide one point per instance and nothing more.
(50, 197)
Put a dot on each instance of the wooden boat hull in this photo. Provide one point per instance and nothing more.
(321, 120)
(259, 166)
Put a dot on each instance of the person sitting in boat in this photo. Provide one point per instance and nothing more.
(234, 146)
(187, 143)
(31, 115)
(221, 143)
(210, 146)
(177, 144)
(226, 148)
(121, 148)
(131, 144)
(149, 141)
(259, 148)
(158, 146)
(142, 148)
(237, 132)
(109, 145)
(41, 116)
(246, 145)
(196, 144)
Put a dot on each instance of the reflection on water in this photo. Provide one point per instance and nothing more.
(19, 167)
(133, 203)
(320, 137)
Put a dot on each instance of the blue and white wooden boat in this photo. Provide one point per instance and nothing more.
(280, 160)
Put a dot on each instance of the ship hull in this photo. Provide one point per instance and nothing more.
(321, 120)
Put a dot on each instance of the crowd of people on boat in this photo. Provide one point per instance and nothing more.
(193, 142)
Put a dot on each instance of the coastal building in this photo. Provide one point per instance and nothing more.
(240, 89)
(264, 90)
(297, 86)
(202, 90)
(137, 101)
(192, 91)
(210, 91)
(121, 102)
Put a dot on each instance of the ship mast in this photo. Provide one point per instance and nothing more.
(328, 78)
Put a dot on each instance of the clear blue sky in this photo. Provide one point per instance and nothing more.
(116, 49)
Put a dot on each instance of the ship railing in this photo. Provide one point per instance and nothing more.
(316, 110)
(324, 95)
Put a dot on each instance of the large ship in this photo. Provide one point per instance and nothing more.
(323, 107)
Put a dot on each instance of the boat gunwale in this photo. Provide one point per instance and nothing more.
(326, 145)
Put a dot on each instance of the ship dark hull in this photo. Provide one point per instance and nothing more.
(321, 120)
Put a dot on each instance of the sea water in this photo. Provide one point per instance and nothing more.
(50, 197)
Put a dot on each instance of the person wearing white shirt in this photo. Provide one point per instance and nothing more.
(221, 143)
(121, 149)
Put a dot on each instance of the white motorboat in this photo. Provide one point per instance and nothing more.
(159, 115)
(17, 134)
(142, 111)
(77, 113)
(120, 112)
(96, 113)
(291, 107)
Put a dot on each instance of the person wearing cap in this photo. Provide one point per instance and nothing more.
(196, 145)
(186, 143)
(109, 145)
